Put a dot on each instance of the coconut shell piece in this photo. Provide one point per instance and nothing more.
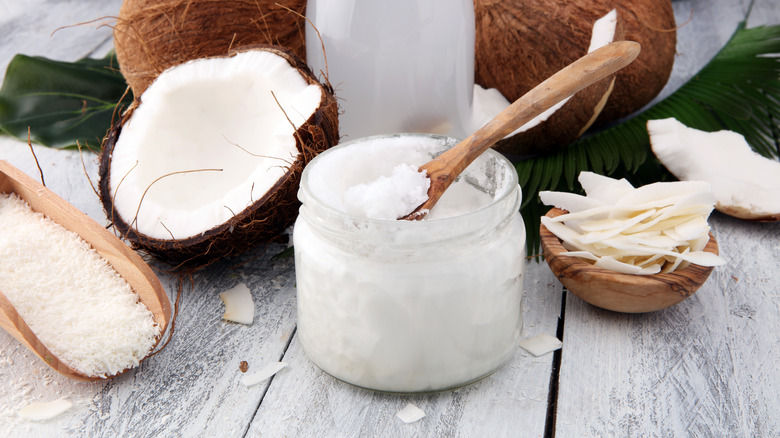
(519, 43)
(745, 184)
(569, 121)
(266, 219)
(152, 35)
(652, 24)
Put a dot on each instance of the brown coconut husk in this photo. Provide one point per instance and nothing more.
(653, 26)
(519, 43)
(570, 121)
(265, 220)
(152, 35)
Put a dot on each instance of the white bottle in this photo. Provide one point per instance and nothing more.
(396, 66)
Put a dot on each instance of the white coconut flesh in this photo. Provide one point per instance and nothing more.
(209, 138)
(656, 228)
(488, 103)
(745, 184)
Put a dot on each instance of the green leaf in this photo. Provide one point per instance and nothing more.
(738, 90)
(61, 102)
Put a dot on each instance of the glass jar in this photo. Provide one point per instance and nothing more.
(396, 66)
(409, 306)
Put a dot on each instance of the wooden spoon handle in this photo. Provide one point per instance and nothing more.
(581, 73)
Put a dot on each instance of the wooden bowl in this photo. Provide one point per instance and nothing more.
(125, 262)
(621, 292)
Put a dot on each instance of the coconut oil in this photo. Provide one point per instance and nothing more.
(396, 66)
(409, 306)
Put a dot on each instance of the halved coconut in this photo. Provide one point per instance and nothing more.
(206, 163)
(569, 119)
(745, 184)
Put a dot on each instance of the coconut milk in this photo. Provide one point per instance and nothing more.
(396, 66)
(409, 306)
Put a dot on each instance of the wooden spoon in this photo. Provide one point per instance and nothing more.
(583, 72)
(125, 262)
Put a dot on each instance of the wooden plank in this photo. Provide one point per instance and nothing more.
(704, 26)
(709, 365)
(51, 28)
(305, 402)
(192, 387)
(62, 30)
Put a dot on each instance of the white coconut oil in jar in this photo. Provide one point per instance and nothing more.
(396, 66)
(409, 306)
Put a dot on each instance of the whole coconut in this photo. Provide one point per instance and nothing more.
(519, 43)
(152, 35)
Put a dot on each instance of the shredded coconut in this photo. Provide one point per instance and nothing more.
(71, 298)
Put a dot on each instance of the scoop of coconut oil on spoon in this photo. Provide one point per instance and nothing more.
(596, 65)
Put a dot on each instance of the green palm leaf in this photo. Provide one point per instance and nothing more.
(61, 102)
(738, 90)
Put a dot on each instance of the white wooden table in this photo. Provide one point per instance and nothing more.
(709, 366)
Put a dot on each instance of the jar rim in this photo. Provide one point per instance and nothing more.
(311, 198)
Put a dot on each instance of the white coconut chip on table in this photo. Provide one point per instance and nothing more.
(655, 228)
(239, 305)
(264, 374)
(541, 344)
(745, 184)
(410, 414)
(45, 410)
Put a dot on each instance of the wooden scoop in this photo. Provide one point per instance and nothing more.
(583, 72)
(125, 262)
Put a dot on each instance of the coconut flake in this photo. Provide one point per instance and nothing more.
(603, 188)
(745, 184)
(541, 344)
(617, 227)
(654, 228)
(264, 374)
(612, 264)
(587, 255)
(239, 306)
(45, 411)
(410, 413)
(571, 202)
